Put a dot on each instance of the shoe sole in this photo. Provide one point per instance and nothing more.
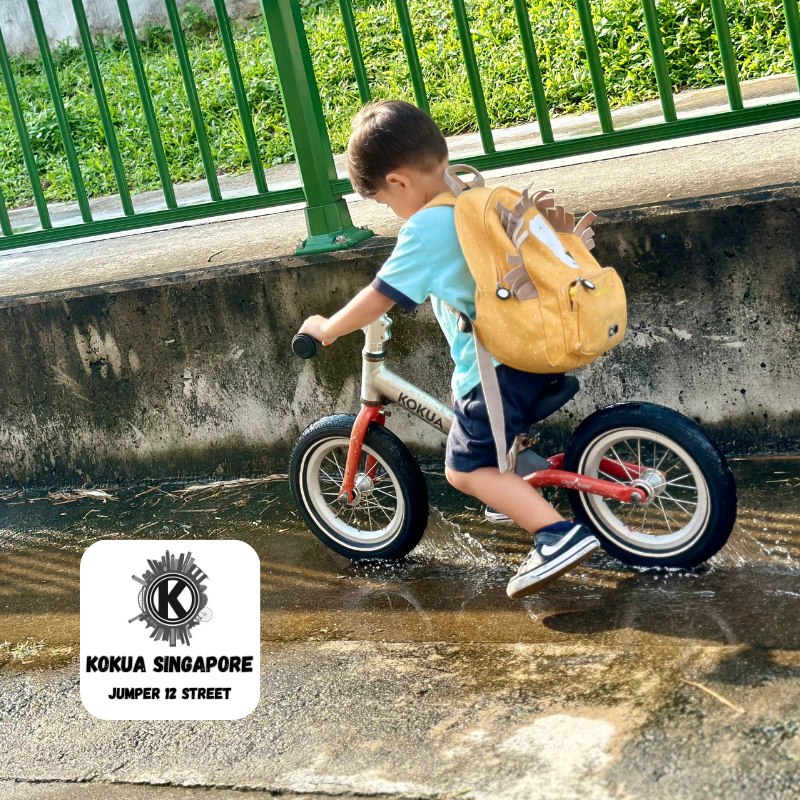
(499, 520)
(533, 582)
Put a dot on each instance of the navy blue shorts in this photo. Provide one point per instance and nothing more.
(470, 444)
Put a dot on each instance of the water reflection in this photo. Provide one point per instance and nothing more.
(451, 588)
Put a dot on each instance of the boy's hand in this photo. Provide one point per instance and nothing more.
(317, 327)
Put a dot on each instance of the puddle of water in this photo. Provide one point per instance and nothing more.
(451, 588)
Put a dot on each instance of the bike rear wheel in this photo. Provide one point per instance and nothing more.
(389, 512)
(691, 507)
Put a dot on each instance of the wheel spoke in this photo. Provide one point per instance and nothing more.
(679, 503)
(644, 516)
(328, 477)
(619, 460)
(680, 478)
(616, 480)
(666, 518)
(667, 451)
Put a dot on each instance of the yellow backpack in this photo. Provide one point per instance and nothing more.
(542, 302)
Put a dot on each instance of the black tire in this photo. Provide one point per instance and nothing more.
(326, 520)
(708, 521)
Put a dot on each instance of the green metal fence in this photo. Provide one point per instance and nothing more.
(328, 221)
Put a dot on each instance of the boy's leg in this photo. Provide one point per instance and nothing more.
(559, 546)
(471, 466)
(508, 493)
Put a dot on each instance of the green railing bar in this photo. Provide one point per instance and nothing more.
(726, 52)
(198, 122)
(473, 75)
(147, 219)
(659, 60)
(793, 26)
(627, 137)
(355, 50)
(147, 103)
(241, 98)
(410, 45)
(595, 67)
(5, 223)
(711, 123)
(24, 138)
(534, 74)
(102, 105)
(61, 113)
(328, 220)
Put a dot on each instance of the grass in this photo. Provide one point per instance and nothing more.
(757, 28)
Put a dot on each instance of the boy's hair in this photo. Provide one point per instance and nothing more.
(388, 135)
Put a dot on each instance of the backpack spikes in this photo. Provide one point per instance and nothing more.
(560, 220)
(541, 200)
(583, 230)
(517, 279)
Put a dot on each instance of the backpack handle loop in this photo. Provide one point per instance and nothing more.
(455, 184)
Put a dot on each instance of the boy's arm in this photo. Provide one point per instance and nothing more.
(366, 307)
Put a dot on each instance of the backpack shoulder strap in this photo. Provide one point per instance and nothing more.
(491, 391)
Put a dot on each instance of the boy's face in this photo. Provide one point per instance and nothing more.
(408, 189)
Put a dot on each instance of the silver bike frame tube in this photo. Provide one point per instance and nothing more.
(379, 384)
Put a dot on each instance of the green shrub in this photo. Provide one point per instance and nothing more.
(757, 28)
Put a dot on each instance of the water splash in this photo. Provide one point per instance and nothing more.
(447, 542)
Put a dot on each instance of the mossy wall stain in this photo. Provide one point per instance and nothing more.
(196, 377)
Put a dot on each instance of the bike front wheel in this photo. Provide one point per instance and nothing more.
(691, 507)
(389, 511)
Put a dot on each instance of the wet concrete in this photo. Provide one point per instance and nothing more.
(422, 679)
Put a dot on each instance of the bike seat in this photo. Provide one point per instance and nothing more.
(557, 394)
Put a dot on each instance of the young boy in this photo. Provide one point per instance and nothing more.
(397, 157)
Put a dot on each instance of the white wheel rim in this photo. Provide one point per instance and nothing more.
(674, 520)
(375, 520)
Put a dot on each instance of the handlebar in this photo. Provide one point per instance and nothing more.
(304, 345)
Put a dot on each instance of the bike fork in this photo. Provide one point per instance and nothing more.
(367, 415)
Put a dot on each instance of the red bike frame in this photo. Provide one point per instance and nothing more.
(552, 476)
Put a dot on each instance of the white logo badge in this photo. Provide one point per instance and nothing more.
(170, 629)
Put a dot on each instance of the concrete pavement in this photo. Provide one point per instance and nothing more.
(422, 679)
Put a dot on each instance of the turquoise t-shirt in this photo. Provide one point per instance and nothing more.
(428, 262)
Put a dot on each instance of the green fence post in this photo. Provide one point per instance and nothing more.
(410, 46)
(720, 13)
(355, 50)
(534, 74)
(102, 106)
(659, 60)
(61, 112)
(147, 103)
(327, 217)
(595, 67)
(5, 223)
(194, 101)
(241, 97)
(793, 26)
(24, 139)
(473, 75)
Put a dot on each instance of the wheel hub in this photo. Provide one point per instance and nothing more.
(652, 483)
(362, 485)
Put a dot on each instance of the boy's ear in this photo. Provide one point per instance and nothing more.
(399, 179)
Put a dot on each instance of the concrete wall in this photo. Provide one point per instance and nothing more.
(193, 374)
(103, 17)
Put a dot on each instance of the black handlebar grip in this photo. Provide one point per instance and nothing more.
(304, 345)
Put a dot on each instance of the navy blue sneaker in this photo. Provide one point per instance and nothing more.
(554, 552)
